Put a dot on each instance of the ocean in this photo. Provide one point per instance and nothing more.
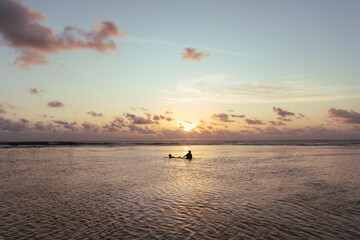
(132, 190)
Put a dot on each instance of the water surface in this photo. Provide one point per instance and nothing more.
(226, 191)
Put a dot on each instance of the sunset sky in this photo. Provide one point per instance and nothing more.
(157, 70)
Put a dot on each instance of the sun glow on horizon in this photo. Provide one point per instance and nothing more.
(186, 125)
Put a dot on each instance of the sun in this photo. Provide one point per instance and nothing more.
(188, 126)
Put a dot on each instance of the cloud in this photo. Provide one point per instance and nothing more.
(9, 105)
(169, 112)
(115, 125)
(272, 130)
(223, 117)
(55, 104)
(237, 116)
(344, 116)
(277, 123)
(34, 91)
(159, 117)
(254, 122)
(21, 28)
(67, 125)
(12, 126)
(2, 110)
(90, 127)
(40, 126)
(139, 108)
(282, 112)
(223, 89)
(190, 53)
(139, 120)
(145, 130)
(94, 114)
(284, 119)
(300, 116)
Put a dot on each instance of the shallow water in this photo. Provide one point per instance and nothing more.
(225, 192)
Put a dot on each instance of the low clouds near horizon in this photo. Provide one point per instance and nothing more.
(344, 116)
(20, 29)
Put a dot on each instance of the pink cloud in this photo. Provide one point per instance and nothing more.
(2, 110)
(21, 28)
(35, 91)
(344, 116)
(55, 104)
(191, 54)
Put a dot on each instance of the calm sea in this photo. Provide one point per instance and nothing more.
(131, 190)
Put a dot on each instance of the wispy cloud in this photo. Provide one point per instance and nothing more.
(219, 88)
(24, 32)
(201, 48)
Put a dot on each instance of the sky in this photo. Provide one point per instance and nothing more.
(178, 70)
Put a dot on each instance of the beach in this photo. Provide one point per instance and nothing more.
(224, 192)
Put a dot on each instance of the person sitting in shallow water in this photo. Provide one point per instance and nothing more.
(188, 155)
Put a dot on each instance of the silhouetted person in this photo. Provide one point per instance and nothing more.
(188, 155)
(171, 156)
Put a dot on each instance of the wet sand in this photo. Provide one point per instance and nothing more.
(225, 192)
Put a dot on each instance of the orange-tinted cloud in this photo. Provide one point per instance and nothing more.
(344, 116)
(95, 114)
(254, 121)
(282, 112)
(222, 117)
(20, 28)
(190, 53)
(138, 119)
(237, 116)
(55, 104)
(277, 123)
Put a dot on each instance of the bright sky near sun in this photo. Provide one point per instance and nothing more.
(123, 70)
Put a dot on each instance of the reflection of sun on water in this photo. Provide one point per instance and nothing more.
(186, 125)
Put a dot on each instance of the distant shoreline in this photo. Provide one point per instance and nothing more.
(184, 142)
